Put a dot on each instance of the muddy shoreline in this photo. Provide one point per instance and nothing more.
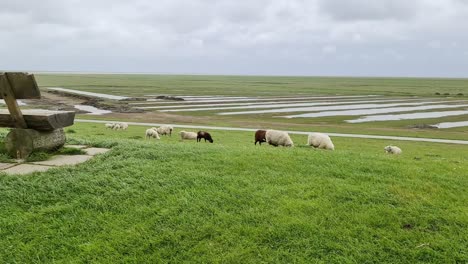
(66, 101)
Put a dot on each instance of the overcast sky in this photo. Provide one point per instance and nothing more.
(257, 37)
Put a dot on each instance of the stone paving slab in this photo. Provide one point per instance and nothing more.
(95, 151)
(55, 161)
(76, 146)
(63, 160)
(26, 169)
(4, 166)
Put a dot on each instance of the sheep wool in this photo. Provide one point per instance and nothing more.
(321, 141)
(393, 150)
(260, 136)
(123, 125)
(165, 130)
(188, 135)
(151, 133)
(278, 138)
(116, 126)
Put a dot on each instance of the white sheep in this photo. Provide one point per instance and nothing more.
(116, 126)
(278, 138)
(123, 125)
(188, 135)
(151, 133)
(165, 130)
(320, 140)
(393, 150)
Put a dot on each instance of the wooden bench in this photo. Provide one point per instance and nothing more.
(32, 129)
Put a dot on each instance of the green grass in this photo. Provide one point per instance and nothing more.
(40, 155)
(141, 84)
(149, 201)
(327, 125)
(46, 155)
(70, 151)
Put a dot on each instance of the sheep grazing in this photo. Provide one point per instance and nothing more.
(204, 135)
(112, 125)
(123, 125)
(260, 136)
(393, 150)
(278, 138)
(321, 141)
(151, 133)
(165, 130)
(187, 135)
(117, 126)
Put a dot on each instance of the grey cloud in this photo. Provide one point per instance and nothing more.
(370, 10)
(296, 37)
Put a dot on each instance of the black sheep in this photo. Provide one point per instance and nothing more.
(205, 135)
(260, 136)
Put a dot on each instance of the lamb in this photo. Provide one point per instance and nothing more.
(260, 136)
(393, 150)
(165, 130)
(278, 138)
(151, 133)
(321, 141)
(205, 135)
(187, 135)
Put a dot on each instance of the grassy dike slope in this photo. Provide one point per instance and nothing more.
(232, 202)
(142, 84)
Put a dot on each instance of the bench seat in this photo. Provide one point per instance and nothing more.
(42, 120)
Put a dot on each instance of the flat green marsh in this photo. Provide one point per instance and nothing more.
(421, 95)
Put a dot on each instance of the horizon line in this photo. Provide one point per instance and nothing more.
(234, 74)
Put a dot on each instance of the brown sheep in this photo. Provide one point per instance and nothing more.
(260, 136)
(205, 135)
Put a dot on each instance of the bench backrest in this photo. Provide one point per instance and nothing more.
(23, 85)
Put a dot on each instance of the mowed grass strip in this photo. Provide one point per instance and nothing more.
(170, 201)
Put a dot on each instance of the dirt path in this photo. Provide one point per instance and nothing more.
(434, 140)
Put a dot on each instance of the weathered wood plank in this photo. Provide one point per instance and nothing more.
(43, 120)
(20, 143)
(8, 95)
(23, 85)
